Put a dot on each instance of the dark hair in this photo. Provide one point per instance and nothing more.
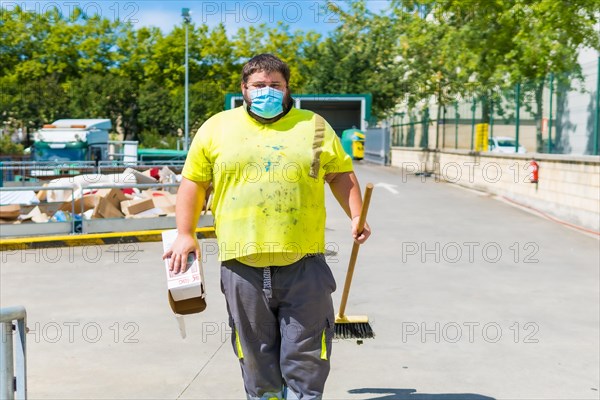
(267, 63)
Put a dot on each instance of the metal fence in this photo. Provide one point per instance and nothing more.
(377, 146)
(558, 114)
(13, 354)
(26, 172)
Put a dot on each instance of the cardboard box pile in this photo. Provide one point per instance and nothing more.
(93, 203)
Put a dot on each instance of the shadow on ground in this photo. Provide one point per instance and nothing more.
(411, 394)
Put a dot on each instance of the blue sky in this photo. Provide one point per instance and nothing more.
(299, 14)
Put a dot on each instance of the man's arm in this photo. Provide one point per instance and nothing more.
(346, 190)
(190, 199)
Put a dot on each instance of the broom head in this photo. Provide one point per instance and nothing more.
(353, 327)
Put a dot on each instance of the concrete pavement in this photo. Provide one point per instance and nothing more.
(470, 299)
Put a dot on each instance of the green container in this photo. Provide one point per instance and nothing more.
(161, 155)
(353, 143)
(65, 151)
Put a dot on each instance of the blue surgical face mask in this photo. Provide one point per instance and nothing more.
(266, 102)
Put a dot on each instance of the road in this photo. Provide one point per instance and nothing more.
(470, 298)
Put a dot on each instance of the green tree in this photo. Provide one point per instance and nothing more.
(292, 47)
(106, 96)
(360, 56)
(548, 41)
(7, 147)
(493, 45)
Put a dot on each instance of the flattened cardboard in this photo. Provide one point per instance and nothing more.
(165, 201)
(35, 215)
(132, 207)
(139, 177)
(151, 213)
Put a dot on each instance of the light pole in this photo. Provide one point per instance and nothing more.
(185, 13)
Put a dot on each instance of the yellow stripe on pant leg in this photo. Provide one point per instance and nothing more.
(238, 345)
(323, 346)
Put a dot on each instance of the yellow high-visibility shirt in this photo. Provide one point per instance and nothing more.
(268, 209)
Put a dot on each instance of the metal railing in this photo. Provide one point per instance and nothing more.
(111, 165)
(77, 224)
(71, 189)
(13, 358)
(22, 171)
(34, 170)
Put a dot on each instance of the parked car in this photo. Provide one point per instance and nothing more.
(504, 144)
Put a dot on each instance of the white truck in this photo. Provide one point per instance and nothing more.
(72, 140)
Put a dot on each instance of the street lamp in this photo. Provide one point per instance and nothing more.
(185, 13)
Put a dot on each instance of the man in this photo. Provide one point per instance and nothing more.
(268, 163)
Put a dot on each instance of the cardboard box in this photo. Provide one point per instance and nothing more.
(113, 195)
(88, 202)
(151, 213)
(105, 209)
(109, 203)
(132, 207)
(10, 212)
(186, 290)
(163, 200)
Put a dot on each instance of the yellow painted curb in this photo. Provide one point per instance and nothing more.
(33, 242)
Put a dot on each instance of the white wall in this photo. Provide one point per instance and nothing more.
(568, 188)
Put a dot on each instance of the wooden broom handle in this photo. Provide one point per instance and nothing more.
(353, 256)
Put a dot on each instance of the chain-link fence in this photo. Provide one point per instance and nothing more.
(557, 114)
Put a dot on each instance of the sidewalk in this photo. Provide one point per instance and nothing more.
(470, 299)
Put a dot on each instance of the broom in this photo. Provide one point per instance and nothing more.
(354, 327)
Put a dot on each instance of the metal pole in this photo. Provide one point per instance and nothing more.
(597, 124)
(425, 129)
(444, 129)
(456, 125)
(186, 139)
(473, 107)
(518, 116)
(21, 359)
(402, 137)
(550, 114)
(7, 373)
(491, 117)
(7, 364)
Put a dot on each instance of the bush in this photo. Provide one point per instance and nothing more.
(155, 140)
(8, 147)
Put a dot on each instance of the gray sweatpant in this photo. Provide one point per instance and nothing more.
(282, 327)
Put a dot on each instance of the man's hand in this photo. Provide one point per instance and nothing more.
(184, 244)
(360, 237)
(190, 198)
(344, 187)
